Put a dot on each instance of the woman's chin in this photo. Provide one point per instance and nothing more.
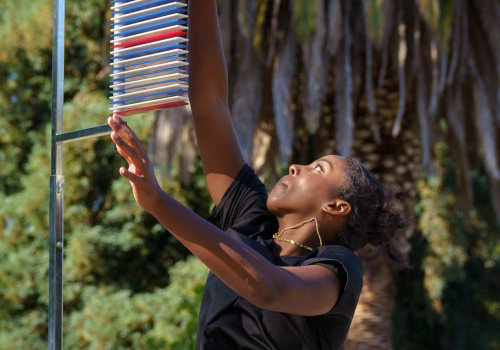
(271, 204)
(275, 204)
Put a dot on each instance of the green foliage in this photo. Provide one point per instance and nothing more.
(446, 251)
(439, 16)
(453, 288)
(304, 16)
(415, 321)
(163, 319)
(375, 19)
(430, 11)
(25, 24)
(446, 8)
(117, 257)
(25, 95)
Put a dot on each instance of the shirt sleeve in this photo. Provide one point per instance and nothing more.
(348, 268)
(244, 203)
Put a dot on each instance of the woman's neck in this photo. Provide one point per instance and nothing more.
(296, 236)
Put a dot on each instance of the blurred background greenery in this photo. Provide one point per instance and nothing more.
(410, 88)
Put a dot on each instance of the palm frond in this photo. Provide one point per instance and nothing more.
(369, 89)
(389, 31)
(344, 90)
(334, 26)
(284, 68)
(401, 54)
(315, 64)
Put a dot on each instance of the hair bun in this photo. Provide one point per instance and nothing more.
(376, 215)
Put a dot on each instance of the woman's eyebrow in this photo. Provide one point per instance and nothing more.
(327, 161)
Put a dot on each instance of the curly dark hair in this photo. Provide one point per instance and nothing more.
(376, 216)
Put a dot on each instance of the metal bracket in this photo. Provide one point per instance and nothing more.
(81, 134)
(60, 184)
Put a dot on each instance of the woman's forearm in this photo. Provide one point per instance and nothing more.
(243, 269)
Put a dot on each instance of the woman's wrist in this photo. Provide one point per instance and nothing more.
(156, 202)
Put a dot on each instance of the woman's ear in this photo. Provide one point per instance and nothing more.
(337, 207)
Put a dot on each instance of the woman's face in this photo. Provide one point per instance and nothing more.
(307, 188)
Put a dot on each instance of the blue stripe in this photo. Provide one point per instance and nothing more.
(160, 25)
(122, 79)
(122, 91)
(143, 6)
(145, 97)
(115, 1)
(150, 51)
(122, 68)
(149, 16)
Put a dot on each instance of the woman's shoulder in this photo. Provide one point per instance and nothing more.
(335, 251)
(338, 255)
(243, 202)
(348, 268)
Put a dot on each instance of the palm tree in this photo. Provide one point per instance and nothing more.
(380, 80)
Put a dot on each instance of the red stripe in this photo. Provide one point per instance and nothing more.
(150, 39)
(149, 108)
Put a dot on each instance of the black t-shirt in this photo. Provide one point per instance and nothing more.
(227, 321)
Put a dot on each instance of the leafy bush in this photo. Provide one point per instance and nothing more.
(118, 319)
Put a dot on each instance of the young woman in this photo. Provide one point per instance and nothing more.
(283, 274)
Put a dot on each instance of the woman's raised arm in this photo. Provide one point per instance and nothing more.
(220, 152)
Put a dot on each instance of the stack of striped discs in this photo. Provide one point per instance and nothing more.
(148, 57)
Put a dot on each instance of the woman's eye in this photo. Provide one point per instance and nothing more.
(317, 166)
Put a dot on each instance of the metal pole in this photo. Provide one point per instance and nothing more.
(56, 182)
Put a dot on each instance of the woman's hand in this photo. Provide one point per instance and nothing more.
(140, 171)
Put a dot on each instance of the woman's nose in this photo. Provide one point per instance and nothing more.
(294, 170)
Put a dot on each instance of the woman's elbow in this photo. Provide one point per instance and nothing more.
(267, 296)
(207, 94)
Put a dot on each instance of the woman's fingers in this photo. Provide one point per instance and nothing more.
(123, 153)
(128, 152)
(129, 175)
(126, 134)
(124, 131)
(140, 170)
